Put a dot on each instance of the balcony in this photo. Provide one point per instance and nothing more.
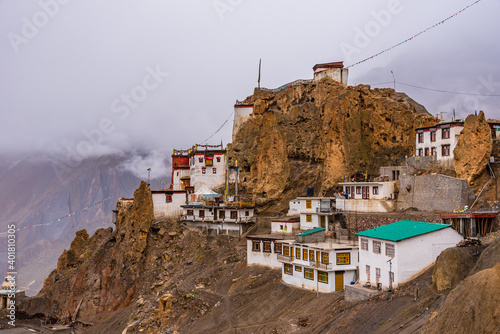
(325, 210)
(283, 258)
(319, 265)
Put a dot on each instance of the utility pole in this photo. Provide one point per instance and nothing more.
(394, 80)
(390, 276)
(149, 176)
(258, 80)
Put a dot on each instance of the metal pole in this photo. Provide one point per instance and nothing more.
(149, 175)
(394, 80)
(390, 276)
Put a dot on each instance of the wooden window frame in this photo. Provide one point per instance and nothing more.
(201, 213)
(343, 258)
(325, 258)
(309, 274)
(214, 170)
(375, 190)
(445, 150)
(222, 214)
(286, 250)
(433, 136)
(297, 253)
(266, 246)
(364, 244)
(445, 133)
(305, 254)
(377, 275)
(277, 247)
(190, 212)
(309, 219)
(218, 159)
(255, 245)
(308, 204)
(200, 159)
(288, 268)
(322, 276)
(367, 269)
(298, 268)
(377, 245)
(388, 248)
(311, 255)
(203, 170)
(420, 137)
(234, 214)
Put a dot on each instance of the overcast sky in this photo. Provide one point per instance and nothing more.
(89, 77)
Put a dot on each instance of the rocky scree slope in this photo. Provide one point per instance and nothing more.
(315, 133)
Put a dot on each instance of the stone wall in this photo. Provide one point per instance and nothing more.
(310, 238)
(427, 163)
(434, 192)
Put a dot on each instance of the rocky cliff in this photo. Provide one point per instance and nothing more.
(317, 133)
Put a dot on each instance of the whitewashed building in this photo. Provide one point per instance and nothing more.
(294, 207)
(167, 203)
(395, 253)
(263, 250)
(243, 111)
(325, 266)
(315, 211)
(335, 71)
(439, 140)
(285, 226)
(367, 197)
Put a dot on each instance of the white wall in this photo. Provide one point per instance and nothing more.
(279, 227)
(385, 189)
(172, 209)
(366, 205)
(241, 115)
(176, 182)
(262, 258)
(210, 179)
(294, 207)
(411, 256)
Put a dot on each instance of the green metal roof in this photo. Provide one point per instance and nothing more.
(401, 230)
(314, 230)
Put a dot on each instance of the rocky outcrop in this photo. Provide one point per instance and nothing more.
(452, 266)
(317, 133)
(473, 150)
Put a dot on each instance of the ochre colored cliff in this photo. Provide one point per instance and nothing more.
(317, 133)
(473, 150)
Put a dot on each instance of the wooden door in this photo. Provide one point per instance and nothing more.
(339, 281)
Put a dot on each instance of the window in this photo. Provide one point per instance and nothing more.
(389, 250)
(343, 258)
(433, 135)
(358, 190)
(368, 273)
(445, 150)
(266, 246)
(214, 170)
(218, 159)
(322, 277)
(309, 273)
(222, 214)
(202, 214)
(420, 152)
(304, 252)
(376, 247)
(281, 227)
(309, 218)
(325, 258)
(247, 213)
(377, 275)
(375, 190)
(286, 250)
(308, 204)
(190, 212)
(256, 245)
(364, 244)
(348, 190)
(445, 134)
(200, 159)
(426, 151)
(297, 253)
(433, 151)
(169, 198)
(391, 275)
(298, 268)
(311, 255)
(288, 268)
(203, 170)
(420, 137)
(277, 248)
(234, 214)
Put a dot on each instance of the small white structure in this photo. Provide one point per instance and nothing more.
(9, 292)
(439, 140)
(263, 250)
(315, 211)
(167, 203)
(294, 207)
(243, 111)
(207, 167)
(367, 197)
(334, 70)
(285, 226)
(393, 254)
(321, 266)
